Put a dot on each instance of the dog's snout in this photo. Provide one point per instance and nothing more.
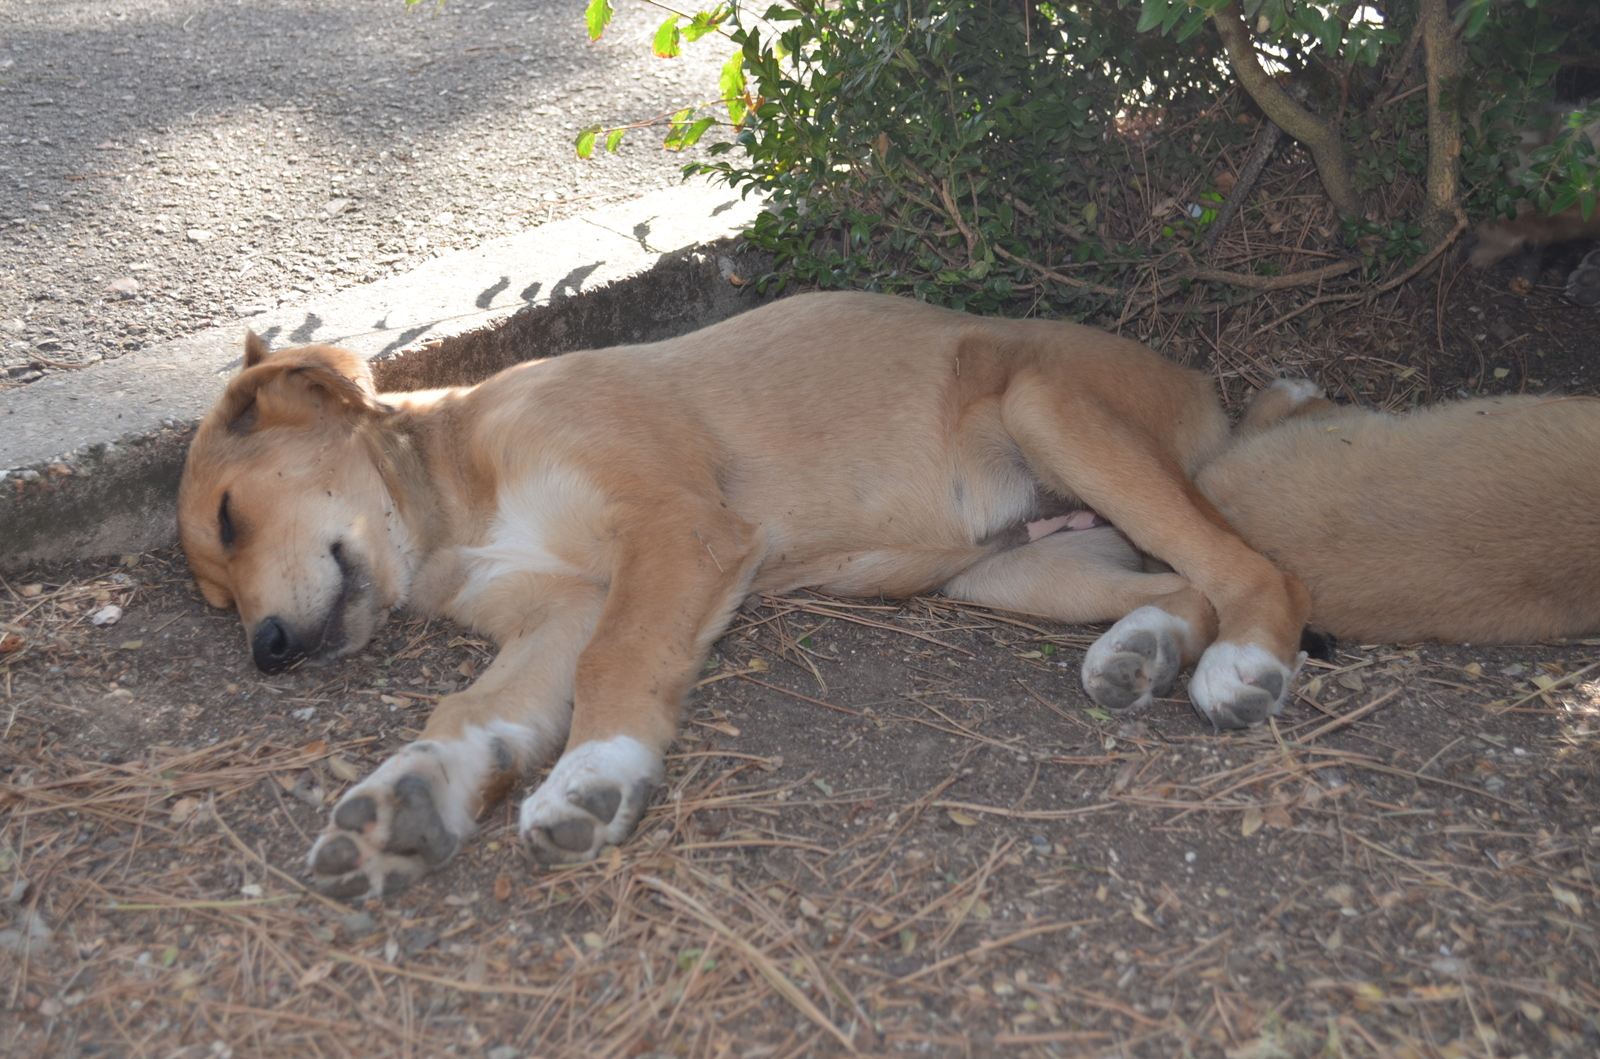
(273, 646)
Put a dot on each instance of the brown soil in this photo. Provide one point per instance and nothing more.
(890, 828)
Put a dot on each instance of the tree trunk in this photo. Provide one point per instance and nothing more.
(1443, 57)
(1319, 135)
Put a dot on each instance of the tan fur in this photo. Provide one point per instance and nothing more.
(601, 514)
(1472, 522)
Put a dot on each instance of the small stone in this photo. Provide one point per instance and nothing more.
(126, 285)
(199, 235)
(504, 1051)
(41, 207)
(109, 614)
(358, 924)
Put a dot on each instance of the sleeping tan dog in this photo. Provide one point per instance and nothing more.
(601, 515)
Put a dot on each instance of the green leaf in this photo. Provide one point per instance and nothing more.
(614, 140)
(731, 84)
(679, 125)
(1152, 14)
(585, 141)
(692, 134)
(669, 39)
(598, 16)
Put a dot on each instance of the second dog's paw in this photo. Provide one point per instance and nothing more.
(409, 817)
(1240, 685)
(593, 798)
(1137, 659)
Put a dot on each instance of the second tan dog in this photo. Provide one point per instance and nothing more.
(1474, 521)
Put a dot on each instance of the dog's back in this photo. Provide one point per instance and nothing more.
(1476, 521)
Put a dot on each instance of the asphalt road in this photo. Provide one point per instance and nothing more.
(169, 166)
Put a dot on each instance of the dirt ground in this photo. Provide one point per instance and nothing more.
(889, 828)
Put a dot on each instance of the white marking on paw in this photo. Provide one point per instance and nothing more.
(1166, 628)
(456, 769)
(621, 762)
(391, 838)
(1231, 679)
(1298, 390)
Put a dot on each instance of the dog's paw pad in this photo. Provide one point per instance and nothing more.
(1240, 685)
(336, 855)
(405, 820)
(1137, 659)
(593, 798)
(417, 827)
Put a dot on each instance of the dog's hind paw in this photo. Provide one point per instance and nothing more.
(1240, 685)
(409, 817)
(593, 798)
(1137, 659)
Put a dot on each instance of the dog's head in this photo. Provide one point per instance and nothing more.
(282, 510)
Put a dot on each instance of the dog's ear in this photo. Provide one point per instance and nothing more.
(293, 386)
(255, 350)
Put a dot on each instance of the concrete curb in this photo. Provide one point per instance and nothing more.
(92, 461)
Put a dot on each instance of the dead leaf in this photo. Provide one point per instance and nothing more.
(315, 748)
(881, 921)
(502, 887)
(961, 819)
(315, 974)
(1252, 821)
(343, 770)
(1276, 816)
(10, 642)
(1352, 681)
(28, 591)
(131, 645)
(1568, 898)
(184, 808)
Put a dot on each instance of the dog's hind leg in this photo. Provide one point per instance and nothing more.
(1280, 400)
(1080, 446)
(411, 815)
(1095, 575)
(674, 590)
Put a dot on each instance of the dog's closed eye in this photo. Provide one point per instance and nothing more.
(225, 523)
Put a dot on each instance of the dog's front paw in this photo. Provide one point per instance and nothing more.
(409, 817)
(593, 798)
(1240, 685)
(1137, 659)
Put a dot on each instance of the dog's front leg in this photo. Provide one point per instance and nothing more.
(411, 815)
(671, 596)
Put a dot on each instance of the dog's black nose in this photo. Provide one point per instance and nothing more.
(273, 646)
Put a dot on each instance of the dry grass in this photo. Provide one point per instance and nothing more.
(1351, 884)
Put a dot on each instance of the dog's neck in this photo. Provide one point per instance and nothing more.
(411, 454)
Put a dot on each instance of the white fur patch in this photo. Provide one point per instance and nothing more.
(1169, 628)
(1145, 619)
(621, 762)
(530, 517)
(456, 769)
(1299, 390)
(1231, 674)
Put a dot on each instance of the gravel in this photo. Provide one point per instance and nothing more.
(167, 167)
